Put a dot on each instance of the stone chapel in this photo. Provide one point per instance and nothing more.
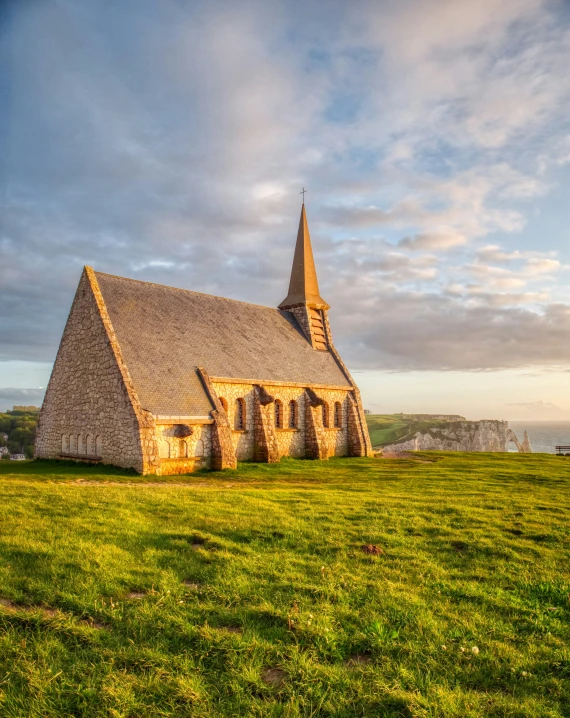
(167, 380)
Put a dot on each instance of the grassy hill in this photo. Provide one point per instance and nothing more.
(388, 428)
(248, 593)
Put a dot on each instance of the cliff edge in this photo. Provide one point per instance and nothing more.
(439, 435)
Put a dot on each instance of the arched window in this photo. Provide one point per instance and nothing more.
(326, 415)
(199, 449)
(89, 445)
(224, 403)
(72, 444)
(293, 414)
(337, 415)
(65, 444)
(278, 414)
(164, 449)
(98, 446)
(240, 414)
(182, 449)
(80, 445)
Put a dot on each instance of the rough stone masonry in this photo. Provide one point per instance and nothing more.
(166, 381)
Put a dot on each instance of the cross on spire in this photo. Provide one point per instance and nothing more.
(303, 191)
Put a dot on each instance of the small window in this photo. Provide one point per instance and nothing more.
(182, 449)
(81, 445)
(224, 403)
(199, 449)
(292, 414)
(337, 415)
(240, 414)
(89, 445)
(65, 444)
(72, 444)
(164, 449)
(98, 446)
(326, 415)
(278, 414)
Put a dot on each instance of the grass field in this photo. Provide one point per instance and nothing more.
(247, 593)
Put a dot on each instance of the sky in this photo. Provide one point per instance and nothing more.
(169, 140)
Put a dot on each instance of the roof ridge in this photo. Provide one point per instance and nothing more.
(192, 291)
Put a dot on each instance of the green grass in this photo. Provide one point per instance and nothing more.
(387, 429)
(476, 552)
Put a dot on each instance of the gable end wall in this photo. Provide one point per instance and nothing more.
(86, 395)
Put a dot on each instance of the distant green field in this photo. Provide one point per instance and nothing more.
(386, 428)
(247, 592)
(391, 428)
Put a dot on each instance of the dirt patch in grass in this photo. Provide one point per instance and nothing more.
(45, 611)
(460, 546)
(236, 630)
(192, 585)
(274, 677)
(90, 623)
(358, 659)
(372, 550)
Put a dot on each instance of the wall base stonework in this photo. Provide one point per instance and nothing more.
(170, 467)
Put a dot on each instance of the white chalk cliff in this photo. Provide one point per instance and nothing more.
(486, 435)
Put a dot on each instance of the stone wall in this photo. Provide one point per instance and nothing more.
(88, 409)
(183, 455)
(359, 436)
(291, 441)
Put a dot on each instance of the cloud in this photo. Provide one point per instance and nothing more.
(425, 330)
(538, 409)
(26, 397)
(545, 405)
(495, 254)
(476, 293)
(433, 241)
(536, 265)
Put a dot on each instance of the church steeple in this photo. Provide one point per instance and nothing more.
(303, 287)
(304, 300)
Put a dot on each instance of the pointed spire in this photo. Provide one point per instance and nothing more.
(303, 287)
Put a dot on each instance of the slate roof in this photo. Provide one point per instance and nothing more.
(166, 333)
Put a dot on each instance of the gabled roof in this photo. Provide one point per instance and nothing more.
(166, 333)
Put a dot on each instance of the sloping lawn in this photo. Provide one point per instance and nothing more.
(248, 593)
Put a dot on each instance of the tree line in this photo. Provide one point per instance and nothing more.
(19, 425)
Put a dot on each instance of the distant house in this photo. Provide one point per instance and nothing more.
(17, 457)
(4, 450)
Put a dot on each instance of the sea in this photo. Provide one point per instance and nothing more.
(544, 435)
